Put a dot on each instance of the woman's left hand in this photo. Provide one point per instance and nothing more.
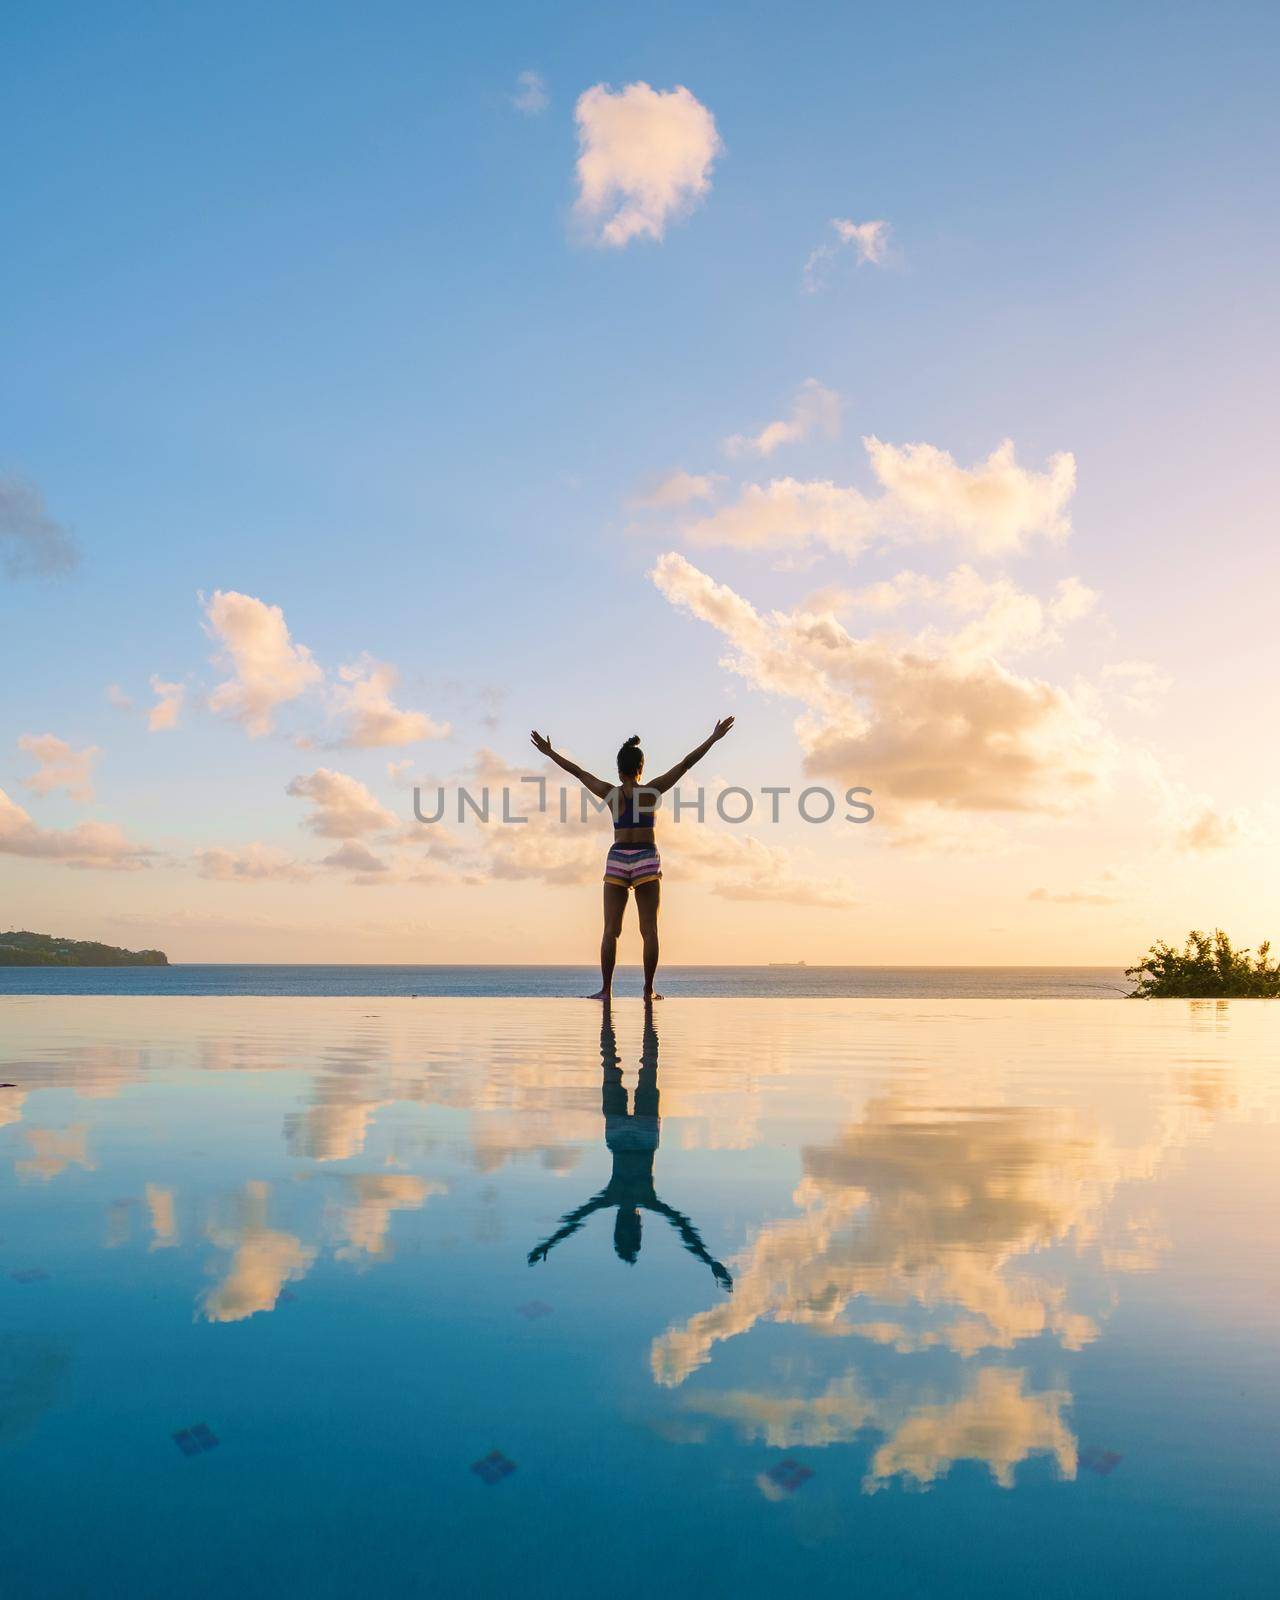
(722, 727)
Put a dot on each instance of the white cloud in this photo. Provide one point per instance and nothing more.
(1212, 829)
(252, 863)
(268, 668)
(997, 1422)
(60, 767)
(264, 1260)
(645, 159)
(162, 1211)
(118, 698)
(364, 699)
(934, 720)
(352, 856)
(530, 95)
(870, 242)
(993, 508)
(677, 489)
(996, 505)
(815, 409)
(1073, 897)
(344, 808)
(88, 844)
(1010, 620)
(32, 544)
(53, 1150)
(365, 1222)
(168, 707)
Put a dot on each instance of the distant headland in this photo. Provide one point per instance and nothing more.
(44, 950)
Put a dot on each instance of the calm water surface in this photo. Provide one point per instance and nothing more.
(884, 1297)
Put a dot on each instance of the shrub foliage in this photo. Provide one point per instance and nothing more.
(1205, 968)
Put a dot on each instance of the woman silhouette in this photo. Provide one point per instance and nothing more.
(632, 1140)
(633, 861)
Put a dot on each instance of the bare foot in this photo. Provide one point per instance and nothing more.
(600, 994)
(652, 994)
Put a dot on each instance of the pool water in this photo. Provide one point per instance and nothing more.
(889, 1297)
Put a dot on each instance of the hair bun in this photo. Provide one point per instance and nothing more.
(634, 739)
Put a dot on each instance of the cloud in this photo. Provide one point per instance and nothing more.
(163, 1215)
(996, 505)
(344, 807)
(53, 1150)
(1211, 829)
(352, 856)
(997, 1422)
(364, 699)
(32, 544)
(815, 409)
(645, 159)
(530, 95)
(118, 698)
(933, 721)
(366, 1220)
(60, 767)
(168, 707)
(12, 1100)
(679, 488)
(264, 1260)
(268, 668)
(870, 242)
(87, 845)
(928, 1214)
(994, 508)
(252, 863)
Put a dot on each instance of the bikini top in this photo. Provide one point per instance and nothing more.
(629, 813)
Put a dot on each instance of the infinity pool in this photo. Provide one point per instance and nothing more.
(479, 1297)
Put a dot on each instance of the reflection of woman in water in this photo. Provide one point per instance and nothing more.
(632, 1137)
(633, 862)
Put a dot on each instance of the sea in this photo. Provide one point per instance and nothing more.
(783, 982)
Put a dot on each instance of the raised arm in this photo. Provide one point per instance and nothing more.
(569, 1223)
(692, 1241)
(597, 786)
(668, 780)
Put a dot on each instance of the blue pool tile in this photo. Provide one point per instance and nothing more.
(493, 1468)
(1103, 1462)
(789, 1475)
(195, 1440)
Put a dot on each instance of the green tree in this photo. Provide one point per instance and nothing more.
(1207, 967)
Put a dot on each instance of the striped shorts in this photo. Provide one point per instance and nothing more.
(630, 865)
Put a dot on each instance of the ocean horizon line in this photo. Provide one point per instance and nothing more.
(492, 980)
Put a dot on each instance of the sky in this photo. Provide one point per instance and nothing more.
(378, 385)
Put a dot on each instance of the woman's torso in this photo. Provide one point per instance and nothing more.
(633, 820)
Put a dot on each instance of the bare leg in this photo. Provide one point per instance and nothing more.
(647, 897)
(615, 903)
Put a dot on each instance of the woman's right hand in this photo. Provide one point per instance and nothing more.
(542, 742)
(722, 727)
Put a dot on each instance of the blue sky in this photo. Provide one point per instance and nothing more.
(296, 307)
